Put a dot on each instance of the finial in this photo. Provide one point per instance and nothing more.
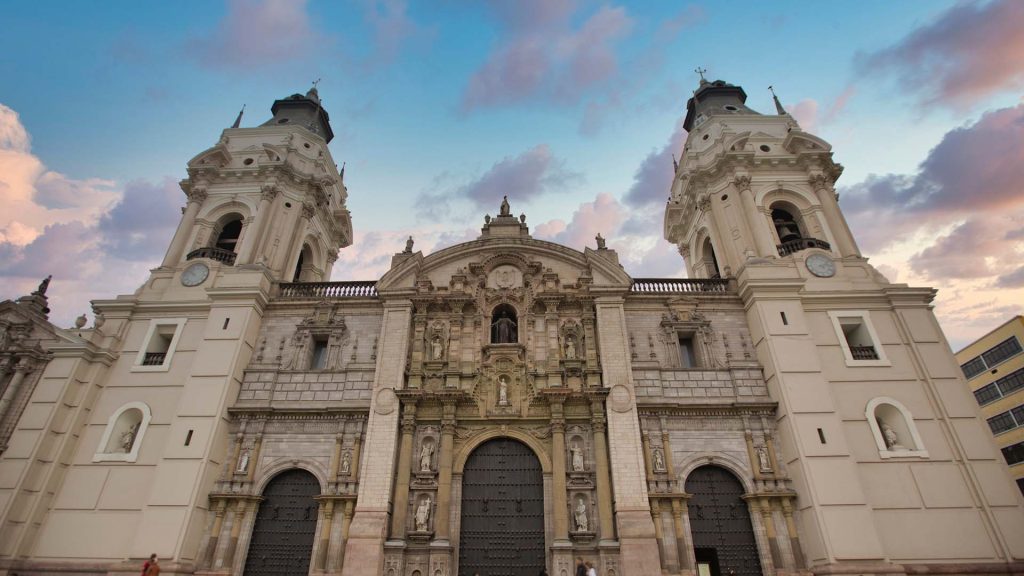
(315, 84)
(675, 163)
(778, 105)
(238, 119)
(81, 321)
(341, 173)
(701, 71)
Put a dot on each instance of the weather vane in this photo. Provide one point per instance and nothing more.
(700, 71)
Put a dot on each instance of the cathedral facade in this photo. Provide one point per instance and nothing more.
(505, 405)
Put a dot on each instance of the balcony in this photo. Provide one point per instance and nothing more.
(863, 353)
(219, 254)
(154, 358)
(678, 285)
(793, 246)
(329, 290)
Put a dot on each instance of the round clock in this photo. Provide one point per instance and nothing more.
(821, 266)
(195, 274)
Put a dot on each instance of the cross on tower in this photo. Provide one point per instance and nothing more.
(317, 81)
(700, 71)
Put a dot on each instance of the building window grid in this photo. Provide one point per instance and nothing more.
(1000, 388)
(1014, 454)
(992, 357)
(1002, 422)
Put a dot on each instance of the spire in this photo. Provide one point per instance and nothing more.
(778, 105)
(238, 120)
(313, 93)
(341, 173)
(302, 110)
(675, 163)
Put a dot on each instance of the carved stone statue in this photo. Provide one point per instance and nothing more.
(243, 462)
(659, 460)
(426, 456)
(505, 330)
(408, 245)
(505, 208)
(892, 440)
(570, 348)
(600, 242)
(41, 291)
(762, 459)
(346, 463)
(128, 438)
(436, 347)
(503, 391)
(577, 458)
(423, 515)
(582, 524)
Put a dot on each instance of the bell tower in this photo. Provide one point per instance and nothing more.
(873, 414)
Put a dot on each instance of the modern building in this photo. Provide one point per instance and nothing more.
(994, 368)
(508, 404)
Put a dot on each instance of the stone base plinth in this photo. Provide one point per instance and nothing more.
(638, 546)
(364, 551)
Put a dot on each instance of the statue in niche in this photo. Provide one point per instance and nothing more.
(503, 391)
(892, 440)
(346, 463)
(570, 348)
(426, 456)
(505, 208)
(504, 330)
(128, 438)
(436, 347)
(577, 458)
(762, 459)
(423, 515)
(582, 524)
(659, 460)
(243, 463)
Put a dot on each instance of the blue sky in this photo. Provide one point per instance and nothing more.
(442, 107)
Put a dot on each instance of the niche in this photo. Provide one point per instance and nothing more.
(504, 325)
(123, 434)
(893, 428)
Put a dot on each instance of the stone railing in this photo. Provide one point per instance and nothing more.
(787, 248)
(218, 254)
(320, 290)
(678, 285)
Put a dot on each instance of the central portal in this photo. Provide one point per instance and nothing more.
(502, 530)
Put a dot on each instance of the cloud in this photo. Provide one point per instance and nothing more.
(258, 33)
(391, 26)
(968, 53)
(808, 114)
(542, 56)
(522, 178)
(13, 136)
(652, 181)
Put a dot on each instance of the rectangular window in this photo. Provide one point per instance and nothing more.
(858, 339)
(993, 356)
(987, 394)
(319, 360)
(1011, 382)
(1014, 454)
(1001, 423)
(687, 357)
(158, 346)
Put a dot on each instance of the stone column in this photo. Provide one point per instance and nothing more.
(20, 371)
(757, 225)
(444, 472)
(346, 519)
(211, 544)
(764, 506)
(255, 229)
(364, 548)
(604, 491)
(635, 530)
(357, 449)
(794, 537)
(682, 550)
(558, 495)
(332, 477)
(656, 517)
(845, 242)
(400, 508)
(755, 464)
(327, 518)
(254, 460)
(646, 444)
(236, 529)
(196, 196)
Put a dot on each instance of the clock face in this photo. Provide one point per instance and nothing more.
(821, 265)
(195, 274)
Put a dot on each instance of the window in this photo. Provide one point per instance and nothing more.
(993, 356)
(1014, 454)
(122, 438)
(1007, 420)
(857, 337)
(785, 225)
(1003, 387)
(158, 346)
(687, 355)
(319, 360)
(227, 236)
(710, 261)
(894, 430)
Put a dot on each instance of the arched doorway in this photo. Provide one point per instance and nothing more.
(723, 537)
(282, 537)
(502, 528)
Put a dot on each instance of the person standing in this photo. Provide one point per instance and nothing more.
(154, 566)
(591, 571)
(581, 570)
(145, 565)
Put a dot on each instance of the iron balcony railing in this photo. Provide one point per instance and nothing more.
(863, 353)
(320, 290)
(218, 254)
(678, 285)
(787, 248)
(154, 358)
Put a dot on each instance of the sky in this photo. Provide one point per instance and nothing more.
(572, 108)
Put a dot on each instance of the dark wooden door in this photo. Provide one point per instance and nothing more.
(502, 530)
(282, 537)
(723, 536)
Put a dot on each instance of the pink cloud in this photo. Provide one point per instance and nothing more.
(969, 52)
(653, 178)
(805, 112)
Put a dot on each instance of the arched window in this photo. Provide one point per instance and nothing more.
(123, 435)
(304, 265)
(228, 233)
(893, 428)
(504, 325)
(710, 262)
(786, 224)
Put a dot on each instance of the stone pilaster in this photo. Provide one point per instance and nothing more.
(255, 226)
(683, 551)
(845, 242)
(196, 196)
(656, 517)
(755, 222)
(444, 473)
(404, 467)
(604, 491)
(558, 496)
(326, 519)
